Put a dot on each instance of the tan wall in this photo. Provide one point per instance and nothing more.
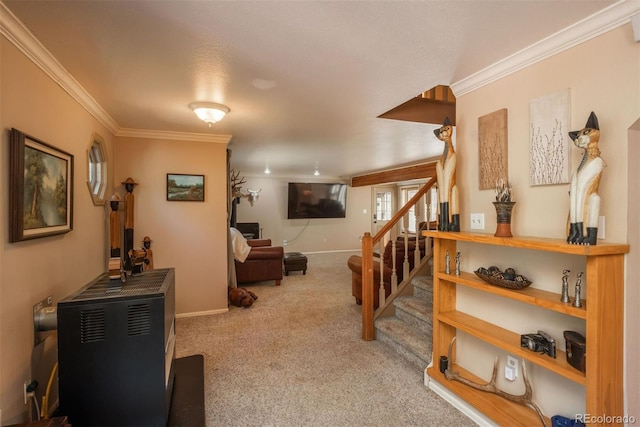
(189, 236)
(314, 235)
(32, 270)
(603, 77)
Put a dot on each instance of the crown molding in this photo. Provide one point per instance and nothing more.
(20, 36)
(16, 32)
(180, 136)
(607, 19)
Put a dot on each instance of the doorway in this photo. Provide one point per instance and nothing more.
(384, 205)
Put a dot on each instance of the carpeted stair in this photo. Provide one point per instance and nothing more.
(409, 332)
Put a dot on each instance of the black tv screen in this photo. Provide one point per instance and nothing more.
(316, 200)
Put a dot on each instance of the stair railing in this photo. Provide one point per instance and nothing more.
(390, 231)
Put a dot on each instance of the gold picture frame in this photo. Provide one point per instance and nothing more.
(40, 188)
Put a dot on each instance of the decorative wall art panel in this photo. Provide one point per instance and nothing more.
(493, 156)
(549, 159)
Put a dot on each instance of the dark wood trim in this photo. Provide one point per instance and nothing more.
(422, 171)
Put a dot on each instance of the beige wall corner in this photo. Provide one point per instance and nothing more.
(189, 236)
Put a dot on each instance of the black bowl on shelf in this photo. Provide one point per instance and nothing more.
(520, 282)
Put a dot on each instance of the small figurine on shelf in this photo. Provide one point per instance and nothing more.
(447, 261)
(115, 262)
(148, 257)
(565, 286)
(458, 264)
(129, 200)
(577, 302)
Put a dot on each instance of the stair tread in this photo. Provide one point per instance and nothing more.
(407, 336)
(423, 282)
(416, 306)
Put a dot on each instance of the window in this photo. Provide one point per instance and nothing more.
(406, 193)
(384, 208)
(97, 169)
(432, 197)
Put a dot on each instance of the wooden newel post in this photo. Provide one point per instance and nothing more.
(367, 287)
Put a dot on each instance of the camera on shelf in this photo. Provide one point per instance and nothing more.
(540, 342)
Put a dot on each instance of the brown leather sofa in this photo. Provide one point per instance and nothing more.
(355, 265)
(263, 263)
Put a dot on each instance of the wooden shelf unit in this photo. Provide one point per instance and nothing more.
(602, 311)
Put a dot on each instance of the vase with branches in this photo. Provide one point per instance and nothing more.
(504, 206)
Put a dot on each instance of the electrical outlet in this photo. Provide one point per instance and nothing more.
(477, 221)
(511, 368)
(284, 243)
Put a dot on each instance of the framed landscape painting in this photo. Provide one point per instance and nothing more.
(40, 188)
(185, 188)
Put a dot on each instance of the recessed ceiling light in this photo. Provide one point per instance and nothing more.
(263, 84)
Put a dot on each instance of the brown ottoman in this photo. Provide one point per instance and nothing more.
(295, 261)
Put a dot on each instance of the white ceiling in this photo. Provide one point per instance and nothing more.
(305, 80)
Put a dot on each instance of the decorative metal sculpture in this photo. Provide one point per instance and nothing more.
(576, 301)
(565, 286)
(490, 387)
(447, 261)
(457, 263)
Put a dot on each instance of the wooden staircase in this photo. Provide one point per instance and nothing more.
(404, 318)
(409, 332)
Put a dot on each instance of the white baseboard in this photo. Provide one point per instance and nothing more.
(471, 412)
(202, 313)
(334, 251)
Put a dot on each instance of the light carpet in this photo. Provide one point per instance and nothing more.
(296, 358)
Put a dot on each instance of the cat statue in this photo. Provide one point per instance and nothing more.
(449, 216)
(584, 205)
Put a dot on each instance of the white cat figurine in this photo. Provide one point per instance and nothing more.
(449, 216)
(584, 205)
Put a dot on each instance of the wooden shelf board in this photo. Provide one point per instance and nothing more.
(528, 295)
(535, 243)
(510, 341)
(502, 411)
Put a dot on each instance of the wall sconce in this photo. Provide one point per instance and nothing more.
(209, 112)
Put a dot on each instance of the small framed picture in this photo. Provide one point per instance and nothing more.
(185, 188)
(40, 189)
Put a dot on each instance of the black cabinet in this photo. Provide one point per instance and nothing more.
(116, 350)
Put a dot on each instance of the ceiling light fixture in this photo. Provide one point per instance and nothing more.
(209, 112)
(267, 170)
(316, 173)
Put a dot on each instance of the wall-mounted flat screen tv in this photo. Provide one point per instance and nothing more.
(316, 200)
